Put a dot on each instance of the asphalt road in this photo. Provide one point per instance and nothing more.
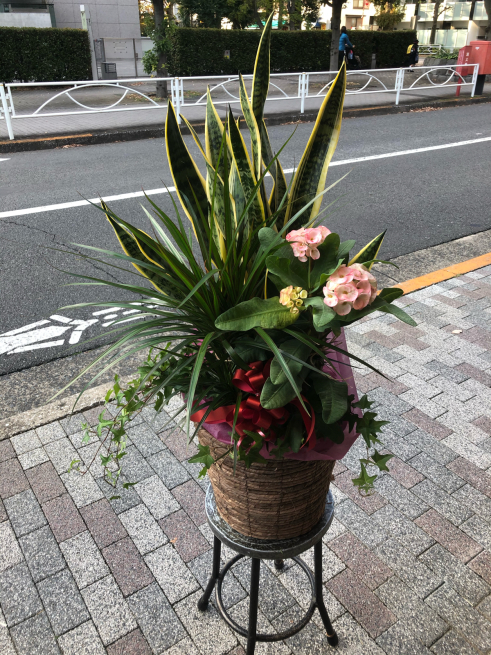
(423, 199)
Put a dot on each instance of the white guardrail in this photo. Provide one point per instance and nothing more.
(224, 89)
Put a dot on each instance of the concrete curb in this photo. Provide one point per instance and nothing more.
(137, 133)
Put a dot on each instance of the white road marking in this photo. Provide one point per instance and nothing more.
(152, 192)
(7, 159)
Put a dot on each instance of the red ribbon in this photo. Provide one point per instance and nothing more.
(252, 416)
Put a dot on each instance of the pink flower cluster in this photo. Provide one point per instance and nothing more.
(305, 241)
(350, 287)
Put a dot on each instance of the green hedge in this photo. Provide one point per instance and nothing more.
(34, 54)
(201, 51)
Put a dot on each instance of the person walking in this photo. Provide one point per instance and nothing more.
(413, 51)
(344, 44)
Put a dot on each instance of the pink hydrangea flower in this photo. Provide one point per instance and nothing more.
(304, 242)
(350, 287)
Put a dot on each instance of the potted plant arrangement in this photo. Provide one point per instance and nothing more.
(243, 318)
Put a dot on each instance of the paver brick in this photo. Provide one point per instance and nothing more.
(82, 640)
(448, 535)
(133, 643)
(368, 504)
(184, 535)
(42, 553)
(461, 446)
(442, 502)
(455, 611)
(45, 482)
(156, 618)
(145, 439)
(483, 423)
(3, 512)
(103, 523)
(84, 559)
(63, 602)
(19, 598)
(171, 573)
(127, 566)
(403, 473)
(156, 497)
(478, 530)
(119, 498)
(361, 603)
(361, 525)
(61, 453)
(362, 561)
(401, 498)
(411, 571)
(452, 644)
(482, 565)
(33, 458)
(72, 424)
(459, 576)
(472, 474)
(474, 500)
(475, 373)
(176, 442)
(136, 467)
(108, 609)
(436, 472)
(12, 479)
(425, 624)
(6, 450)
(82, 488)
(24, 512)
(168, 468)
(10, 553)
(144, 530)
(192, 499)
(50, 432)
(35, 637)
(400, 638)
(25, 442)
(63, 517)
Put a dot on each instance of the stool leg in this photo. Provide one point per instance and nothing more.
(217, 548)
(332, 637)
(279, 564)
(254, 595)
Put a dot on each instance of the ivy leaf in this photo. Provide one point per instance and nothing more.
(363, 403)
(202, 457)
(381, 460)
(364, 482)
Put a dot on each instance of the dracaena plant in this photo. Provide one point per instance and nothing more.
(241, 314)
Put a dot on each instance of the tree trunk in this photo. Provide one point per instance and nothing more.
(436, 14)
(159, 14)
(487, 32)
(337, 6)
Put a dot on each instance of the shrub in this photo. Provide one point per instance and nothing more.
(33, 54)
(201, 51)
(391, 47)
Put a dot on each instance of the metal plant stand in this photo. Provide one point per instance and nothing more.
(257, 550)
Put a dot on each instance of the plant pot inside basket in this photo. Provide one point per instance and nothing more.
(279, 499)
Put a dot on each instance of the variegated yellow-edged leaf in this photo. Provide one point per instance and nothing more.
(236, 192)
(216, 197)
(260, 84)
(194, 134)
(310, 177)
(245, 173)
(189, 183)
(250, 119)
(279, 181)
(213, 134)
(369, 252)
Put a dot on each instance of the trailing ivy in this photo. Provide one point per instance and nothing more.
(34, 54)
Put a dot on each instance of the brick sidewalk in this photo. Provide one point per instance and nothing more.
(406, 571)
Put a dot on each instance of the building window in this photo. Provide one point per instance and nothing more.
(354, 22)
(361, 4)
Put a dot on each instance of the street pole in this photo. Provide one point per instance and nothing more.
(86, 25)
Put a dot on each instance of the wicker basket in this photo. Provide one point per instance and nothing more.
(280, 499)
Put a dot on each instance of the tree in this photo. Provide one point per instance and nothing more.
(337, 6)
(209, 12)
(437, 10)
(389, 14)
(163, 25)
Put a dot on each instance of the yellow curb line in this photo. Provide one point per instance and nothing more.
(444, 273)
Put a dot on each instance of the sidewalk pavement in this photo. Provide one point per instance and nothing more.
(407, 571)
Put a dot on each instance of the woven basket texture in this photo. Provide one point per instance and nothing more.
(279, 499)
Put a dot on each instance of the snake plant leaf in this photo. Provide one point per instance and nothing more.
(194, 134)
(268, 314)
(280, 186)
(260, 83)
(213, 135)
(253, 128)
(369, 252)
(310, 177)
(333, 395)
(246, 174)
(189, 183)
(295, 348)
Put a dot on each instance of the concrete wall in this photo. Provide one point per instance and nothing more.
(27, 19)
(110, 18)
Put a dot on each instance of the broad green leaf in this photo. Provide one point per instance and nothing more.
(274, 396)
(260, 84)
(345, 247)
(189, 183)
(293, 273)
(268, 314)
(322, 314)
(328, 260)
(295, 348)
(389, 294)
(369, 252)
(399, 313)
(250, 353)
(310, 177)
(333, 395)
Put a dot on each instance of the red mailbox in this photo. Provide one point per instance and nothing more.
(465, 58)
(481, 54)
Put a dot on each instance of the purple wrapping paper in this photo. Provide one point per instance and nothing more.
(324, 448)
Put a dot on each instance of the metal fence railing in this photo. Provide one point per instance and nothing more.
(88, 97)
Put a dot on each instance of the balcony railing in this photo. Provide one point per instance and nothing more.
(452, 11)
